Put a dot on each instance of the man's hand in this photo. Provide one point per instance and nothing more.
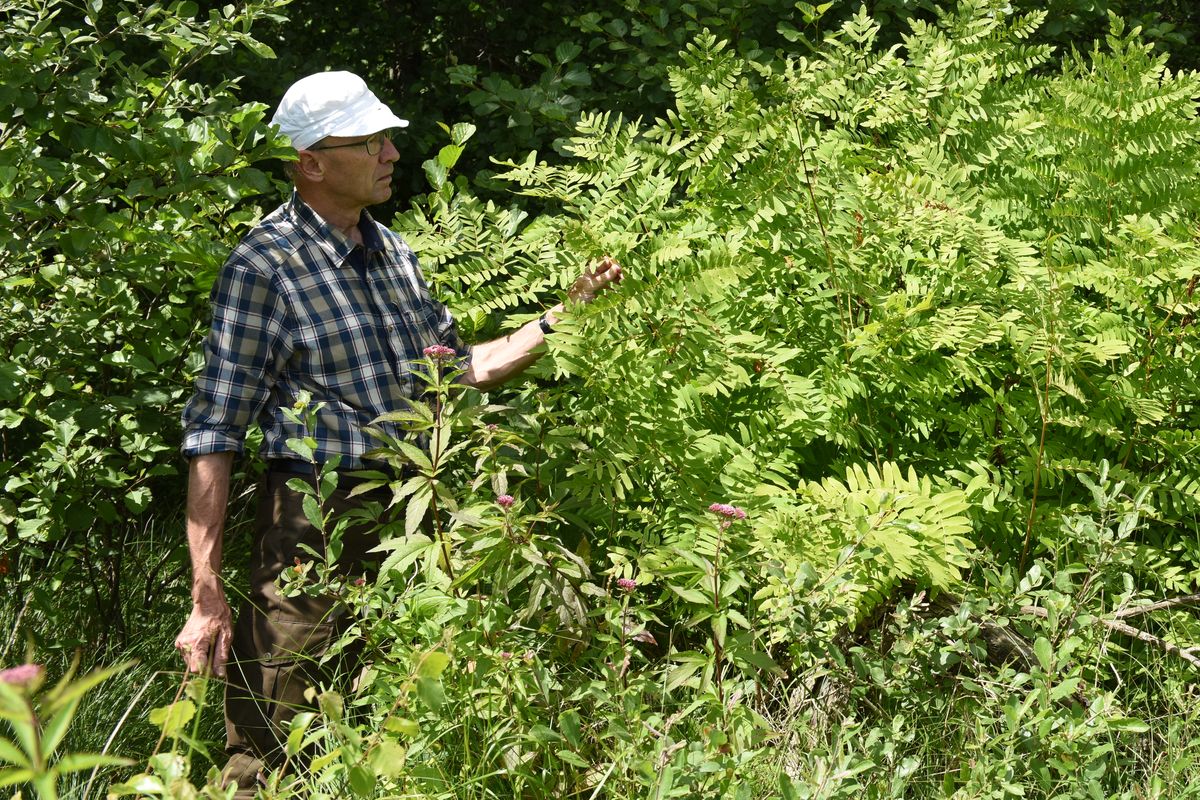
(594, 281)
(204, 641)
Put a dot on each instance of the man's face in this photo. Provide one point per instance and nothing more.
(353, 176)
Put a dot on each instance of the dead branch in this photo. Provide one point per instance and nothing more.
(1129, 630)
(1189, 600)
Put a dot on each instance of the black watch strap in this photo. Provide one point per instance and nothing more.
(545, 325)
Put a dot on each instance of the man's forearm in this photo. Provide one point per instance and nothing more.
(494, 362)
(208, 497)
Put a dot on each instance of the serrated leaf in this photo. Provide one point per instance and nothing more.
(414, 512)
(416, 455)
(694, 596)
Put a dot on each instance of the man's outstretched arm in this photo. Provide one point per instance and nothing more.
(204, 640)
(494, 362)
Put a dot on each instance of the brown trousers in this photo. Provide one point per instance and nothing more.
(279, 642)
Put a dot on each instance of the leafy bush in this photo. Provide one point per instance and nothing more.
(947, 261)
(123, 184)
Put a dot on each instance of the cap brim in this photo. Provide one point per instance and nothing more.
(379, 118)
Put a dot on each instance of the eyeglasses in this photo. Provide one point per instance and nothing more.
(373, 145)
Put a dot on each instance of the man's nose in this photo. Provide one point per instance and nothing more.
(389, 153)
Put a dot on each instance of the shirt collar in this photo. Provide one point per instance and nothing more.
(336, 244)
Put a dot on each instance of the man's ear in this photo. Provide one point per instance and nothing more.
(309, 167)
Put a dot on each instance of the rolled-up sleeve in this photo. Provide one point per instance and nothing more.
(245, 352)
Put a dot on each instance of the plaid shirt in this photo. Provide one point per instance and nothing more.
(291, 312)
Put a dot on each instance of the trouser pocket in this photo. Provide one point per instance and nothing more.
(275, 659)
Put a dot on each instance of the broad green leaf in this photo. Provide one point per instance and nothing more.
(173, 718)
(448, 155)
(1045, 653)
(414, 512)
(569, 724)
(431, 693)
(1128, 725)
(405, 727)
(312, 512)
(362, 780)
(297, 729)
(432, 664)
(388, 758)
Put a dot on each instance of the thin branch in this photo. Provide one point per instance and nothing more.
(1137, 633)
(1120, 627)
(1188, 600)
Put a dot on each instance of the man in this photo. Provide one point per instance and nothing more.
(318, 298)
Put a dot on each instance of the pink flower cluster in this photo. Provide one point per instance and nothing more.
(626, 584)
(23, 675)
(439, 352)
(727, 511)
(505, 500)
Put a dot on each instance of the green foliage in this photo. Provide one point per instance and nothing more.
(39, 723)
(886, 526)
(525, 71)
(123, 183)
(946, 270)
(947, 260)
(918, 299)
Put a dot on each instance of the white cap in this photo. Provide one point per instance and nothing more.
(331, 104)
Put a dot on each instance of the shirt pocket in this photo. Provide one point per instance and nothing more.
(419, 328)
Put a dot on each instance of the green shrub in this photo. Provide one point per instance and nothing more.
(122, 183)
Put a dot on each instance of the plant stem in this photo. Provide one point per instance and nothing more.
(718, 649)
(437, 449)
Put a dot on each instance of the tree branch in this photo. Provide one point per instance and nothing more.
(1122, 627)
(1188, 600)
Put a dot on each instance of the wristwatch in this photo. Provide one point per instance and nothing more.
(544, 324)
